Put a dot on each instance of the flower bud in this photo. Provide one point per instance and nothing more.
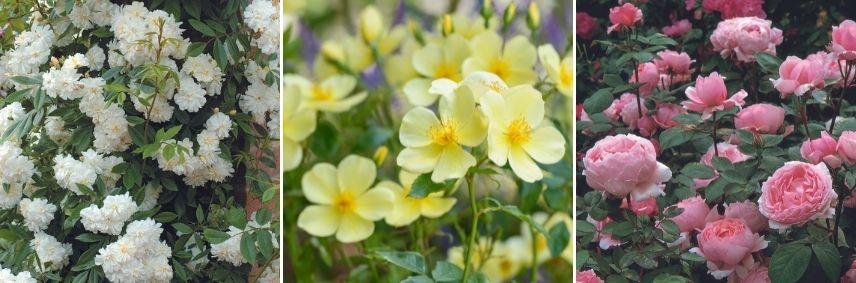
(371, 24)
(380, 155)
(508, 15)
(486, 10)
(533, 16)
(447, 25)
(332, 51)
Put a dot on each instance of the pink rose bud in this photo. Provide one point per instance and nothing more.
(798, 76)
(709, 94)
(623, 16)
(648, 76)
(641, 207)
(693, 216)
(588, 276)
(822, 149)
(844, 40)
(727, 245)
(847, 147)
(748, 211)
(797, 193)
(761, 118)
(586, 25)
(678, 28)
(605, 240)
(625, 164)
(665, 114)
(743, 37)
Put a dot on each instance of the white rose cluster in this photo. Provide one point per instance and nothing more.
(135, 24)
(32, 49)
(263, 17)
(50, 251)
(90, 13)
(6, 275)
(56, 131)
(137, 256)
(17, 170)
(110, 217)
(205, 164)
(69, 172)
(38, 213)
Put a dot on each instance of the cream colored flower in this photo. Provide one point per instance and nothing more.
(436, 61)
(478, 82)
(331, 95)
(434, 144)
(513, 63)
(299, 124)
(496, 260)
(518, 132)
(561, 72)
(407, 209)
(343, 203)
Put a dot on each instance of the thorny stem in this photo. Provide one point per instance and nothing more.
(468, 253)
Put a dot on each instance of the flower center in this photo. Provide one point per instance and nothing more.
(344, 203)
(566, 76)
(500, 68)
(540, 243)
(518, 132)
(446, 71)
(505, 265)
(445, 133)
(321, 93)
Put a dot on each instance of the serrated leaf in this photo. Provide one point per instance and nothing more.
(411, 261)
(789, 263)
(445, 271)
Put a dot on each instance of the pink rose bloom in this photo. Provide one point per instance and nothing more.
(617, 106)
(735, 8)
(758, 274)
(625, 164)
(709, 94)
(797, 193)
(673, 67)
(665, 114)
(630, 116)
(588, 276)
(822, 149)
(850, 275)
(844, 40)
(728, 245)
(831, 65)
(649, 76)
(743, 37)
(641, 207)
(761, 118)
(799, 76)
(605, 240)
(727, 151)
(693, 216)
(847, 147)
(678, 28)
(749, 213)
(586, 25)
(623, 16)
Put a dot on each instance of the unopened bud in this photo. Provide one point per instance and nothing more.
(332, 51)
(533, 16)
(448, 27)
(371, 24)
(508, 16)
(486, 10)
(380, 155)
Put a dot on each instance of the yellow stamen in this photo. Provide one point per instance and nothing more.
(321, 93)
(500, 68)
(445, 133)
(446, 71)
(345, 202)
(518, 132)
(566, 76)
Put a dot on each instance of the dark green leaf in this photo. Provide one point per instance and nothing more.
(411, 261)
(789, 263)
(447, 272)
(829, 258)
(559, 238)
(423, 186)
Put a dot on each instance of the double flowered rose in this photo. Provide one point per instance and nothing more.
(625, 164)
(743, 37)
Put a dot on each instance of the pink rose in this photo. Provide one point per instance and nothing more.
(641, 207)
(797, 193)
(630, 116)
(623, 16)
(625, 164)
(605, 240)
(847, 147)
(709, 94)
(844, 40)
(648, 75)
(588, 276)
(830, 65)
(799, 76)
(822, 149)
(735, 8)
(728, 244)
(749, 213)
(693, 216)
(850, 275)
(761, 118)
(727, 151)
(743, 37)
(586, 25)
(678, 28)
(614, 110)
(673, 67)
(665, 114)
(758, 274)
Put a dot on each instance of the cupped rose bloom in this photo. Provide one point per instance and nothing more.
(641, 207)
(735, 8)
(625, 164)
(614, 110)
(605, 240)
(586, 25)
(648, 75)
(761, 118)
(709, 94)
(822, 149)
(630, 116)
(850, 275)
(844, 40)
(758, 274)
(666, 112)
(726, 150)
(727, 245)
(693, 216)
(588, 276)
(799, 76)
(623, 16)
(678, 28)
(674, 67)
(743, 37)
(847, 147)
(748, 211)
(797, 193)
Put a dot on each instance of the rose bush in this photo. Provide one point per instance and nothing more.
(752, 140)
(133, 136)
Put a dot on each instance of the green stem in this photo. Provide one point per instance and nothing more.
(534, 276)
(468, 252)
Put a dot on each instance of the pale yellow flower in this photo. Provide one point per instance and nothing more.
(518, 132)
(478, 82)
(400, 66)
(343, 203)
(434, 144)
(469, 26)
(494, 259)
(356, 54)
(299, 123)
(513, 64)
(371, 23)
(331, 95)
(523, 242)
(436, 61)
(407, 209)
(561, 72)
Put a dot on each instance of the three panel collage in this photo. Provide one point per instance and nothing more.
(427, 141)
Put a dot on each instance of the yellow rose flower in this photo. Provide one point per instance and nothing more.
(299, 124)
(343, 203)
(561, 72)
(436, 61)
(407, 209)
(479, 83)
(494, 259)
(513, 64)
(399, 67)
(518, 132)
(331, 95)
(434, 144)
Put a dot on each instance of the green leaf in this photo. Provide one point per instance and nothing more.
(673, 137)
(215, 236)
(598, 101)
(411, 261)
(269, 194)
(829, 258)
(248, 247)
(203, 28)
(417, 279)
(196, 48)
(88, 238)
(263, 216)
(423, 186)
(697, 170)
(324, 141)
(220, 54)
(769, 63)
(445, 271)
(670, 278)
(265, 243)
(183, 228)
(789, 263)
(24, 80)
(165, 217)
(237, 217)
(559, 238)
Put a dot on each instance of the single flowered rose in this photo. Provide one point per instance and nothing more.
(745, 36)
(709, 94)
(846, 147)
(641, 207)
(799, 76)
(586, 25)
(850, 275)
(822, 149)
(844, 40)
(512, 61)
(674, 67)
(605, 240)
(678, 28)
(407, 209)
(647, 74)
(588, 276)
(625, 164)
(623, 16)
(758, 274)
(727, 245)
(693, 215)
(666, 112)
(797, 193)
(727, 151)
(761, 118)
(748, 211)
